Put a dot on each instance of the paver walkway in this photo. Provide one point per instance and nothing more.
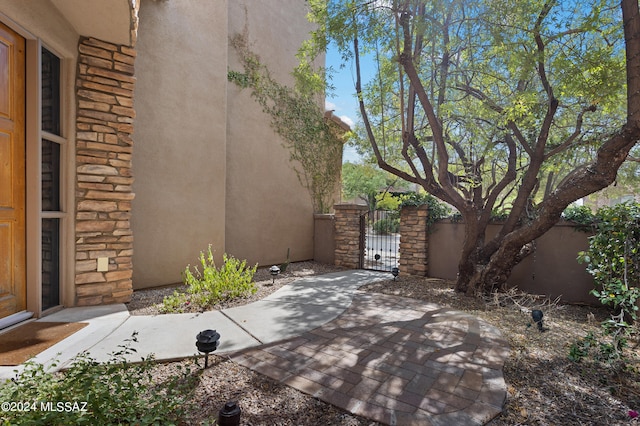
(394, 360)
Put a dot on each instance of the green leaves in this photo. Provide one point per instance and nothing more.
(489, 70)
(364, 181)
(212, 285)
(112, 393)
(614, 262)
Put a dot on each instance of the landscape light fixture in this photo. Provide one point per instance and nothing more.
(537, 315)
(274, 271)
(229, 415)
(395, 272)
(207, 341)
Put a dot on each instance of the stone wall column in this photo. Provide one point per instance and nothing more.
(104, 147)
(414, 241)
(347, 226)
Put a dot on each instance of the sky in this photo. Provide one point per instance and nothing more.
(343, 101)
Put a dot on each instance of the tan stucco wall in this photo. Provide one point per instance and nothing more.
(59, 22)
(105, 20)
(180, 137)
(551, 270)
(267, 209)
(41, 19)
(208, 167)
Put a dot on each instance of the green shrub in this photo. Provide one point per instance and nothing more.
(113, 393)
(212, 285)
(437, 209)
(388, 225)
(613, 259)
(387, 201)
(581, 216)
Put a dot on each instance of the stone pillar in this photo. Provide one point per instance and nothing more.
(414, 241)
(104, 125)
(347, 223)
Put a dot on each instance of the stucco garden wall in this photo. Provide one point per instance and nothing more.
(551, 270)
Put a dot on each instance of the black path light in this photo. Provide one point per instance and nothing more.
(537, 315)
(207, 341)
(395, 272)
(229, 415)
(274, 271)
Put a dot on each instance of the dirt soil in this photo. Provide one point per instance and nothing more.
(544, 386)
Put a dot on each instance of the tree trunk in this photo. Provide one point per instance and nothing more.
(472, 247)
(494, 274)
(483, 269)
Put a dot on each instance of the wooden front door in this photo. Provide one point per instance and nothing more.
(12, 173)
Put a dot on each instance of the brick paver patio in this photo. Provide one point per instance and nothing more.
(394, 360)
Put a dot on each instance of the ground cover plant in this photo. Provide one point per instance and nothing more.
(207, 287)
(91, 393)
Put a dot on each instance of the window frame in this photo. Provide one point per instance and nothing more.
(62, 214)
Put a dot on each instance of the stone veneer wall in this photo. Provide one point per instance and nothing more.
(105, 115)
(414, 241)
(347, 231)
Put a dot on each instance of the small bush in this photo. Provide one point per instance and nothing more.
(212, 285)
(613, 259)
(91, 393)
(437, 209)
(581, 216)
(388, 225)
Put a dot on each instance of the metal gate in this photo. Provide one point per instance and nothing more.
(379, 240)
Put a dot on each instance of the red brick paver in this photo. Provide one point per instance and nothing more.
(395, 360)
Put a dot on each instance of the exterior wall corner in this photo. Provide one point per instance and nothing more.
(104, 147)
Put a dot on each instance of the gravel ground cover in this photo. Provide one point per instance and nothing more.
(544, 386)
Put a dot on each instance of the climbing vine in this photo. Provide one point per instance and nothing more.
(313, 140)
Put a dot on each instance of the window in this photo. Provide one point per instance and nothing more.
(52, 144)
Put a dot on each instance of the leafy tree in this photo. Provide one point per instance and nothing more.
(365, 181)
(514, 105)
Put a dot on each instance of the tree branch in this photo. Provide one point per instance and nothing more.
(406, 60)
(577, 131)
(367, 124)
(480, 95)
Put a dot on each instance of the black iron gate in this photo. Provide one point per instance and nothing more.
(379, 240)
